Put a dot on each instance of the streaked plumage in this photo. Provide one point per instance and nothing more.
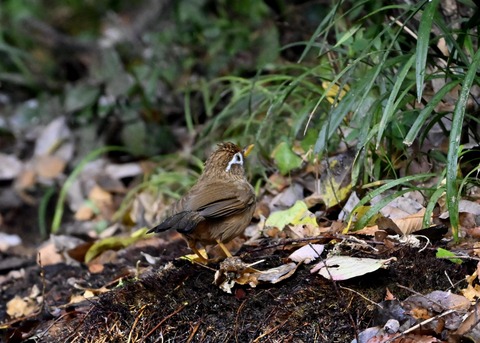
(219, 206)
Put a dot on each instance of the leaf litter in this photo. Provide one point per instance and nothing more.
(293, 224)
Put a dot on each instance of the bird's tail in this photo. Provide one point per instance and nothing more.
(183, 222)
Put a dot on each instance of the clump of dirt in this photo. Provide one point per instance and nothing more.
(178, 302)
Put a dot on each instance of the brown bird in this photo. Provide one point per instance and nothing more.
(219, 206)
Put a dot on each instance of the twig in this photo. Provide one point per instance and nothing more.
(135, 323)
(194, 331)
(179, 309)
(275, 328)
(361, 295)
(415, 327)
(448, 278)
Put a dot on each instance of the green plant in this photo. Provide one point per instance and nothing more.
(384, 58)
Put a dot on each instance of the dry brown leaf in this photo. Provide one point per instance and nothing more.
(472, 292)
(48, 255)
(410, 224)
(469, 327)
(20, 307)
(84, 213)
(103, 200)
(25, 180)
(99, 196)
(476, 248)
(48, 167)
(234, 271)
(389, 295)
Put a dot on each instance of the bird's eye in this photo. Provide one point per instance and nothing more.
(236, 159)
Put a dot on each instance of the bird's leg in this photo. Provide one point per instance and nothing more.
(193, 246)
(224, 248)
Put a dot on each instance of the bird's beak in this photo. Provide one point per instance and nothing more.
(247, 150)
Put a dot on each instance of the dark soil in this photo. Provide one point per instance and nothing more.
(177, 301)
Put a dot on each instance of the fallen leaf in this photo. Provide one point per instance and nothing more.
(55, 139)
(465, 206)
(442, 253)
(48, 167)
(234, 271)
(285, 159)
(275, 275)
(403, 226)
(347, 267)
(307, 253)
(11, 166)
(7, 241)
(113, 243)
(20, 307)
(298, 214)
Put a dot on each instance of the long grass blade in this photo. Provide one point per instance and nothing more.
(454, 144)
(423, 43)
(389, 107)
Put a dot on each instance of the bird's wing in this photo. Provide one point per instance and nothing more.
(184, 221)
(220, 199)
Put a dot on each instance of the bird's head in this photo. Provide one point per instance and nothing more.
(229, 158)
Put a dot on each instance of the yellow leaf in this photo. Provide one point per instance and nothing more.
(113, 243)
(298, 214)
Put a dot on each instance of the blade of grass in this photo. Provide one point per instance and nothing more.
(454, 144)
(386, 187)
(389, 107)
(423, 43)
(57, 218)
(425, 113)
(431, 205)
(42, 211)
(360, 224)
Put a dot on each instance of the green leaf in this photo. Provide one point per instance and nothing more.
(113, 243)
(442, 253)
(390, 107)
(425, 113)
(285, 159)
(423, 43)
(454, 144)
(80, 97)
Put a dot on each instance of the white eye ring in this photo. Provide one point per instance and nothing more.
(236, 159)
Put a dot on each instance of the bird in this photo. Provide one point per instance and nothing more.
(219, 206)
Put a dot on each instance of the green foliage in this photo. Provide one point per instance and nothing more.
(365, 79)
(371, 76)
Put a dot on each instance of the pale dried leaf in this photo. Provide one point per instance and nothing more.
(465, 206)
(274, 275)
(55, 138)
(234, 271)
(307, 253)
(347, 267)
(7, 241)
(352, 201)
(20, 307)
(10, 166)
(120, 171)
(400, 207)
